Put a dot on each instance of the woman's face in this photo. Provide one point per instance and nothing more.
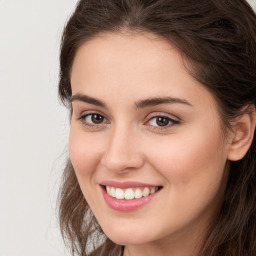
(144, 129)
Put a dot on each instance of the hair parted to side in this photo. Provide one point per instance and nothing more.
(217, 38)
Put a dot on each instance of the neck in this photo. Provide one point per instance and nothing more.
(160, 250)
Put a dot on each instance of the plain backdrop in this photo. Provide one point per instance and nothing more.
(33, 125)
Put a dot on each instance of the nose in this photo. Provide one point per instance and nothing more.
(122, 152)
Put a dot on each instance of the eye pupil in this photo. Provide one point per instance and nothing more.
(162, 121)
(97, 119)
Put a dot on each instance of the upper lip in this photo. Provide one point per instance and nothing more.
(127, 184)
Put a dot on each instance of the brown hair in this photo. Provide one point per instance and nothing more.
(218, 40)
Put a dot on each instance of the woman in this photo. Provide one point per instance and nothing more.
(162, 98)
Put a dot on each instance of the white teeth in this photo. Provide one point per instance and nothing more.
(138, 193)
(130, 193)
(152, 190)
(119, 193)
(108, 190)
(113, 192)
(145, 192)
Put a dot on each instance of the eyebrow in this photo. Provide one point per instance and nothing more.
(139, 104)
(87, 99)
(160, 100)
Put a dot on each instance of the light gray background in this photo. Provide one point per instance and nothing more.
(33, 125)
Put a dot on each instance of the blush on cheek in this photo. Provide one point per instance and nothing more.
(183, 160)
(84, 153)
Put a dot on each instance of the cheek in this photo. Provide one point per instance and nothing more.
(195, 158)
(84, 152)
(192, 167)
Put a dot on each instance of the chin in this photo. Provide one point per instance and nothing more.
(127, 237)
(128, 240)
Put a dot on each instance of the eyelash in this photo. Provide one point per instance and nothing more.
(92, 125)
(170, 121)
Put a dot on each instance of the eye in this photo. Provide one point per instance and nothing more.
(93, 119)
(162, 121)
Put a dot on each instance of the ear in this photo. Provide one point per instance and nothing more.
(243, 132)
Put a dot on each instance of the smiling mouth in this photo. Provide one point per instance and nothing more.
(131, 193)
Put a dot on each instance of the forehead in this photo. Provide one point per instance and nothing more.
(132, 66)
(128, 52)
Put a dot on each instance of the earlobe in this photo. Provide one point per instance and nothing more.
(244, 129)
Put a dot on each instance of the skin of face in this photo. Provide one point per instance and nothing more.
(186, 157)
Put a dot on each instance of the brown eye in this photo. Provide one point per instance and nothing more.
(162, 121)
(97, 119)
(93, 119)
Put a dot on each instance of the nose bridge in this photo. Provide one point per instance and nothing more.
(122, 152)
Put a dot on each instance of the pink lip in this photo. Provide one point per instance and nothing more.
(129, 184)
(127, 205)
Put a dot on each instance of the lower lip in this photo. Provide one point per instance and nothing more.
(126, 205)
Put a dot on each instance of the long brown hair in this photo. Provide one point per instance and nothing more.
(217, 38)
